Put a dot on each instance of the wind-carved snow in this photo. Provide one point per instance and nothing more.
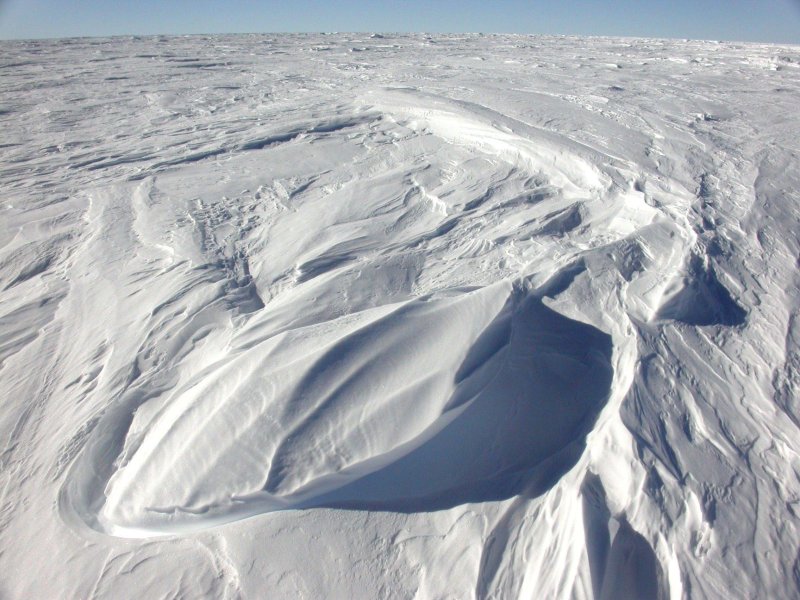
(355, 389)
(530, 323)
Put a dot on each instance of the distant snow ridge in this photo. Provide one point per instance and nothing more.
(518, 330)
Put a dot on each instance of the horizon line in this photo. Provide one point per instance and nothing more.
(400, 33)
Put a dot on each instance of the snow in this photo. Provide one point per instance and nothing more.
(359, 316)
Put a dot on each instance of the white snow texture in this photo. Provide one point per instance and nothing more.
(373, 316)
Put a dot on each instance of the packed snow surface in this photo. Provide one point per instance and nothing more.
(367, 316)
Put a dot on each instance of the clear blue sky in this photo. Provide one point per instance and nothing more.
(743, 20)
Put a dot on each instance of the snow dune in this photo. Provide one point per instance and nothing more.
(400, 410)
(351, 316)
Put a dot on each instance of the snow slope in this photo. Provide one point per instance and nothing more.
(361, 316)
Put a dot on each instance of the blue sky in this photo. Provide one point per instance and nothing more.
(743, 20)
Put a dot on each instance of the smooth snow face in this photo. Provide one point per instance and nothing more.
(454, 316)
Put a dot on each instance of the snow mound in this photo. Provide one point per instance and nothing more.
(356, 417)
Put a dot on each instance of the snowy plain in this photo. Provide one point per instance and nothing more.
(366, 316)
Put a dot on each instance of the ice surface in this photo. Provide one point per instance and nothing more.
(353, 316)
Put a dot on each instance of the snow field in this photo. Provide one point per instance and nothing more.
(449, 328)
